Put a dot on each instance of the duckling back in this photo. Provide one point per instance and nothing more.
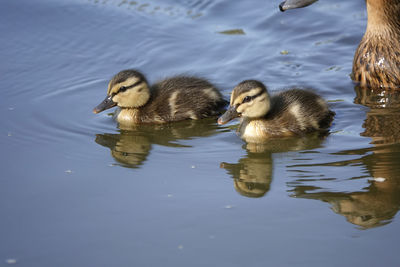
(300, 111)
(175, 99)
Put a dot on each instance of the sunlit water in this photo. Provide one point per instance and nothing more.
(77, 191)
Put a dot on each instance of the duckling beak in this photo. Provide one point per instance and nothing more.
(106, 104)
(229, 115)
(292, 4)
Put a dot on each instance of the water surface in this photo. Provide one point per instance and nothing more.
(78, 191)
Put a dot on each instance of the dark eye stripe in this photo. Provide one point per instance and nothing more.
(124, 88)
(249, 98)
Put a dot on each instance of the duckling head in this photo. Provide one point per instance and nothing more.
(249, 99)
(127, 89)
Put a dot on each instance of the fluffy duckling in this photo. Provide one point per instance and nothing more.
(376, 60)
(289, 113)
(173, 99)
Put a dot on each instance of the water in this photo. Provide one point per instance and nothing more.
(77, 191)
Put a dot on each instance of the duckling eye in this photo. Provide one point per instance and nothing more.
(247, 99)
(123, 88)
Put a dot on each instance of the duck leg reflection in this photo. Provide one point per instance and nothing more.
(378, 203)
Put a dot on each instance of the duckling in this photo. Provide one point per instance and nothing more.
(173, 99)
(289, 113)
(376, 60)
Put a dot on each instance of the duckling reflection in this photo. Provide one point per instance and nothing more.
(131, 146)
(128, 147)
(252, 175)
(378, 203)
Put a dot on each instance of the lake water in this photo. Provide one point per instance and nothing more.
(77, 191)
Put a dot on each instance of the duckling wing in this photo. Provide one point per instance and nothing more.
(182, 97)
(300, 111)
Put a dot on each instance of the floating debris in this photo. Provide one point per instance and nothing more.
(10, 108)
(334, 68)
(142, 7)
(169, 195)
(196, 16)
(123, 2)
(9, 134)
(193, 167)
(11, 261)
(284, 52)
(180, 247)
(233, 32)
(228, 207)
(68, 171)
(335, 100)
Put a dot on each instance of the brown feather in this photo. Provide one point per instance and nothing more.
(376, 62)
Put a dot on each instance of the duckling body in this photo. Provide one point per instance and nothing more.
(376, 62)
(173, 99)
(289, 113)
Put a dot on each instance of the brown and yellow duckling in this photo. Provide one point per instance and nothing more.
(376, 62)
(289, 113)
(173, 99)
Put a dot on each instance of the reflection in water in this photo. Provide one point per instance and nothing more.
(382, 123)
(367, 207)
(378, 203)
(130, 147)
(252, 175)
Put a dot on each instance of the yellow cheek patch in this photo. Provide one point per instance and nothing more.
(116, 98)
(242, 107)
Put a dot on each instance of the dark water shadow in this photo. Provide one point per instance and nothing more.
(377, 203)
(131, 146)
(252, 174)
